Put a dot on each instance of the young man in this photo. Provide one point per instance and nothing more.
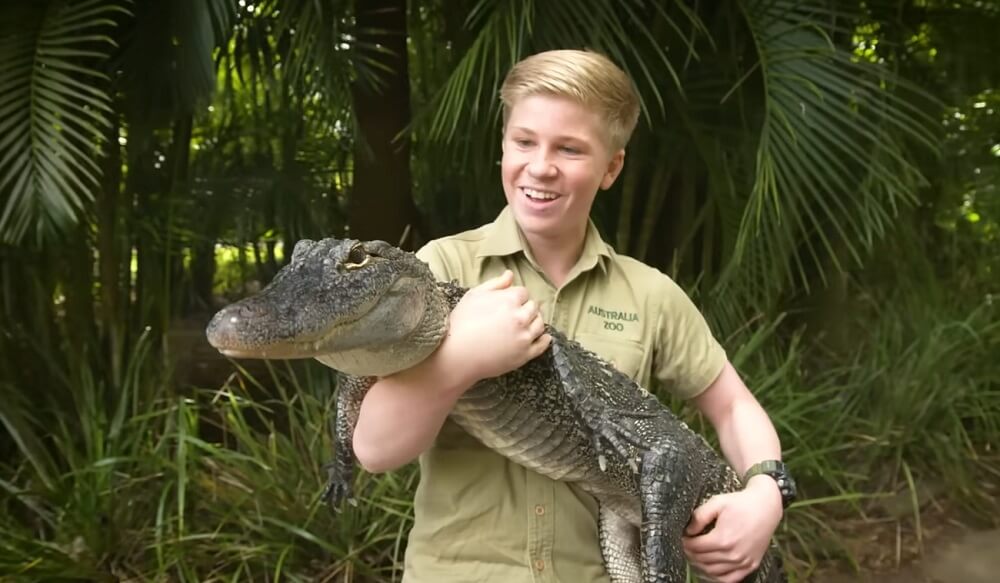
(479, 517)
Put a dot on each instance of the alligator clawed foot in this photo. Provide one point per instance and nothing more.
(620, 435)
(338, 488)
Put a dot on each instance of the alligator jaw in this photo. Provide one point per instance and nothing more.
(277, 352)
(226, 336)
(396, 327)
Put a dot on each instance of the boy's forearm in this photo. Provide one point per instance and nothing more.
(746, 437)
(746, 434)
(401, 415)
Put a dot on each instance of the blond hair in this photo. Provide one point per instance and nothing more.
(588, 78)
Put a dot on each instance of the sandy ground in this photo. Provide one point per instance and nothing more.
(967, 557)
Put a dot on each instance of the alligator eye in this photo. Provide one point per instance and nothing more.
(357, 257)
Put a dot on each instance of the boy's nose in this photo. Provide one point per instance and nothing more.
(540, 166)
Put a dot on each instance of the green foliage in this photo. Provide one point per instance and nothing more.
(215, 485)
(236, 273)
(830, 161)
(167, 69)
(789, 160)
(968, 203)
(223, 484)
(53, 107)
(925, 388)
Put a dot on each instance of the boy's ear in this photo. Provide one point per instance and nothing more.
(614, 169)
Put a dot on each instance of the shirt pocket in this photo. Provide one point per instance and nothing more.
(627, 356)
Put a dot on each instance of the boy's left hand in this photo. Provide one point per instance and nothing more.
(744, 522)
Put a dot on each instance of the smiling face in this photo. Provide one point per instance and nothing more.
(555, 158)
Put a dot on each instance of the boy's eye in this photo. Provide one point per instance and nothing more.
(570, 150)
(522, 142)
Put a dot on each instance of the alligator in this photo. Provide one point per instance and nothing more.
(368, 309)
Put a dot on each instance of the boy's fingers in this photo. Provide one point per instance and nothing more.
(536, 327)
(704, 515)
(539, 345)
(527, 312)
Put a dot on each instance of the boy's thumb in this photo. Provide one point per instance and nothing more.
(704, 516)
(501, 281)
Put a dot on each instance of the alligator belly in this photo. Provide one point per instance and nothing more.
(515, 430)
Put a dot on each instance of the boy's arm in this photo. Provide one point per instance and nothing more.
(745, 520)
(746, 434)
(494, 329)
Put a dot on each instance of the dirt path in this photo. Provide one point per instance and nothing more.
(965, 557)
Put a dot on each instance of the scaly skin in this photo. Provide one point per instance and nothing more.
(369, 309)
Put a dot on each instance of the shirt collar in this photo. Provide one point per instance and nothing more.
(505, 238)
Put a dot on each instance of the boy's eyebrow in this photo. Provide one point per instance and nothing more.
(560, 137)
(523, 129)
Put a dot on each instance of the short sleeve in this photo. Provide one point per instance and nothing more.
(432, 255)
(689, 358)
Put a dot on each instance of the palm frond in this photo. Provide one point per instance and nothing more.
(303, 43)
(167, 63)
(509, 30)
(52, 112)
(831, 167)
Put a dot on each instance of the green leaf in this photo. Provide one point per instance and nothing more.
(52, 111)
(17, 421)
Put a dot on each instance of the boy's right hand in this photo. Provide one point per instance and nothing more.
(494, 329)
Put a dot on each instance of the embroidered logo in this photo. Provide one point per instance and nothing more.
(613, 319)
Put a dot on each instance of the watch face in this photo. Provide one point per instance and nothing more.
(787, 487)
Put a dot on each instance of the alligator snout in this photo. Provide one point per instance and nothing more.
(227, 331)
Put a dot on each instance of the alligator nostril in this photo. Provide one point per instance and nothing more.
(220, 328)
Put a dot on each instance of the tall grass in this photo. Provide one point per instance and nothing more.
(159, 483)
(910, 411)
(204, 486)
(923, 394)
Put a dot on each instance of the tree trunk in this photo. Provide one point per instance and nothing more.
(202, 274)
(75, 272)
(381, 204)
(108, 251)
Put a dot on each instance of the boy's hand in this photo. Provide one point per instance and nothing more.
(744, 522)
(494, 329)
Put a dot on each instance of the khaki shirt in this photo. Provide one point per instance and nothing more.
(480, 517)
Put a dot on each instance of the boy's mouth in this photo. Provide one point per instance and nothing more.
(539, 195)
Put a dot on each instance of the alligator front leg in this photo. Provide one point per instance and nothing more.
(590, 383)
(668, 496)
(340, 471)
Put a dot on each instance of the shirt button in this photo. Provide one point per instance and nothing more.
(539, 510)
(539, 564)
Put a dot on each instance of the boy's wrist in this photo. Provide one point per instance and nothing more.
(438, 374)
(774, 475)
(448, 370)
(763, 483)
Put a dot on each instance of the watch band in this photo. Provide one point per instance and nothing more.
(779, 472)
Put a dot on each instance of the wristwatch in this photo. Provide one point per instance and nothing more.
(778, 471)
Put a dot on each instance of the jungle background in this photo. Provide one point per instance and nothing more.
(822, 177)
